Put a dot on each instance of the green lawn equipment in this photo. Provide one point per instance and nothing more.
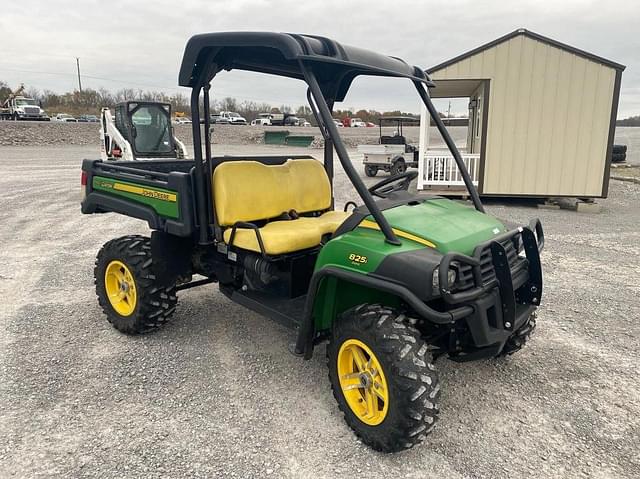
(389, 285)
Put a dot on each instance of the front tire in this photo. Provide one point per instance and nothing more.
(398, 167)
(131, 296)
(382, 378)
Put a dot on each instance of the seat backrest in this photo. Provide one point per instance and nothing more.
(247, 190)
(393, 140)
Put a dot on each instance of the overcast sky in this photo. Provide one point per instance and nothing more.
(139, 44)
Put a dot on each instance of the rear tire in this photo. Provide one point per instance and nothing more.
(145, 303)
(520, 337)
(370, 170)
(398, 167)
(406, 378)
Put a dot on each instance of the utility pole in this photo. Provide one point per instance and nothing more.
(79, 82)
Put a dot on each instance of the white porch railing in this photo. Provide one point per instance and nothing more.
(439, 169)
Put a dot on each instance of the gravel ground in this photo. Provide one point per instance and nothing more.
(216, 394)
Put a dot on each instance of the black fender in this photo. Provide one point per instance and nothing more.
(306, 333)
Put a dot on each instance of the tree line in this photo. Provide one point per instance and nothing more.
(631, 121)
(90, 101)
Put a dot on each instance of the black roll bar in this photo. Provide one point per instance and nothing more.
(328, 143)
(426, 99)
(327, 119)
(207, 149)
(201, 169)
(322, 110)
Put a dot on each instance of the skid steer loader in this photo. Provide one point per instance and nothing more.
(140, 130)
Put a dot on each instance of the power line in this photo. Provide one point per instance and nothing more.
(92, 77)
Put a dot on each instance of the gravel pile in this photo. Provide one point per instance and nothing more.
(27, 133)
(54, 133)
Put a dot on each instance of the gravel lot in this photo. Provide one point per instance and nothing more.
(216, 394)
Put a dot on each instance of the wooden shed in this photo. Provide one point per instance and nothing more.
(541, 119)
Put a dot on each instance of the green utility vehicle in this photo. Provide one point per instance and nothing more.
(389, 284)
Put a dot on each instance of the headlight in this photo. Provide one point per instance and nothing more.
(451, 279)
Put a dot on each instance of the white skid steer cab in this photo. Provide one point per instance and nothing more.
(140, 130)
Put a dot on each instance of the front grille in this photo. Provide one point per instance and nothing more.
(31, 110)
(465, 271)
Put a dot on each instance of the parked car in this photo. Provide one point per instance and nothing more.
(303, 122)
(87, 119)
(182, 121)
(233, 117)
(218, 119)
(64, 117)
(338, 123)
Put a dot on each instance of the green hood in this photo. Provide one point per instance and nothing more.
(449, 225)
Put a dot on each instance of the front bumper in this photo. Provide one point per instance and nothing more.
(32, 117)
(502, 301)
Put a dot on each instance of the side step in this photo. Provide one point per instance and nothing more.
(285, 311)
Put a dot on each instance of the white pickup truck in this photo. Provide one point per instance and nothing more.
(233, 117)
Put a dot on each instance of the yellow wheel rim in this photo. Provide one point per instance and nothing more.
(362, 381)
(120, 287)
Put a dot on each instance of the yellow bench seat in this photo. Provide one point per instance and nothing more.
(252, 192)
(279, 237)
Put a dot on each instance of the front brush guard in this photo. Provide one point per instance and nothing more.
(530, 292)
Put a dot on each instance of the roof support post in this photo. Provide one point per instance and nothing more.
(426, 99)
(332, 130)
(207, 149)
(328, 143)
(201, 170)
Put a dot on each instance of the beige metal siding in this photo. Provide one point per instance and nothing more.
(549, 113)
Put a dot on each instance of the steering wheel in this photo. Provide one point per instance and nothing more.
(400, 182)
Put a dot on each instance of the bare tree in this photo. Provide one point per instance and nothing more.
(229, 104)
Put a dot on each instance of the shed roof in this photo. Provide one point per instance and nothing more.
(535, 36)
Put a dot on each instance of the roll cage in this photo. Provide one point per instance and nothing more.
(327, 67)
(400, 121)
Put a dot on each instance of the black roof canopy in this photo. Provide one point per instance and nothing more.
(398, 118)
(334, 65)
